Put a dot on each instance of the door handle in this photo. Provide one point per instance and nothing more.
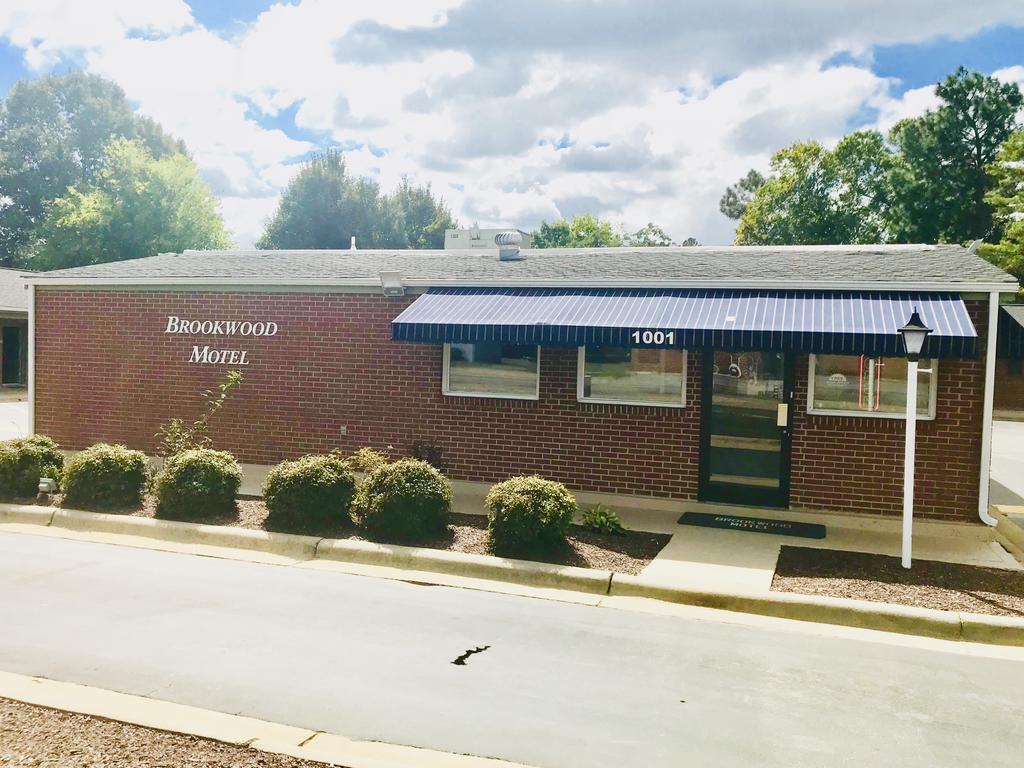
(782, 418)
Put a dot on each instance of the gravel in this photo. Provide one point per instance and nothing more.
(36, 737)
(880, 578)
(627, 554)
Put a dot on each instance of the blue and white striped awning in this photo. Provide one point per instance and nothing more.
(807, 321)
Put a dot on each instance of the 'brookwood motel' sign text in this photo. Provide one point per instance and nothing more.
(204, 353)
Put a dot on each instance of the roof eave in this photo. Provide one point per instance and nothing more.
(962, 286)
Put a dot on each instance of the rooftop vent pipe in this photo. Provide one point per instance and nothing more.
(508, 246)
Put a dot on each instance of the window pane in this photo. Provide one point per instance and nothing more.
(488, 368)
(633, 375)
(867, 384)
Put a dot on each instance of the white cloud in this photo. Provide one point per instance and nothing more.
(662, 104)
(48, 29)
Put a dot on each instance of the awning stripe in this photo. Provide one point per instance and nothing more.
(806, 321)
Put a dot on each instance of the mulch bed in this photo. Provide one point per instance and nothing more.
(880, 578)
(48, 738)
(628, 554)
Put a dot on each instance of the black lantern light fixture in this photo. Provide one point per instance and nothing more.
(914, 333)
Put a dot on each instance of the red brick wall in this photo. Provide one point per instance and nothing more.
(856, 463)
(105, 370)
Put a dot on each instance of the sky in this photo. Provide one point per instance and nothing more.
(514, 112)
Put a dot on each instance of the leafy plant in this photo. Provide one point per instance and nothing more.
(368, 459)
(430, 453)
(105, 477)
(198, 484)
(23, 461)
(406, 500)
(176, 436)
(528, 515)
(309, 494)
(603, 520)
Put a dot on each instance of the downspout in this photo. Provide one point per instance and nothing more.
(986, 414)
(31, 358)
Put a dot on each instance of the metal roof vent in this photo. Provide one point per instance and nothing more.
(508, 246)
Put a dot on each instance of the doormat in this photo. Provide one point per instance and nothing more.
(755, 524)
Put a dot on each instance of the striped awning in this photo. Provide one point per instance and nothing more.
(807, 321)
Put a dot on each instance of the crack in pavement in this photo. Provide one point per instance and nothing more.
(461, 660)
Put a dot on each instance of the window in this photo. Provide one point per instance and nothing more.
(868, 386)
(632, 375)
(489, 369)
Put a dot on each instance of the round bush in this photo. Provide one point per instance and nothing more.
(105, 477)
(406, 500)
(23, 461)
(198, 484)
(528, 515)
(309, 494)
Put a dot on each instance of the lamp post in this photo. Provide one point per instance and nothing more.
(914, 334)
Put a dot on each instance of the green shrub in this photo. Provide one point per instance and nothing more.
(23, 461)
(105, 477)
(406, 500)
(528, 515)
(309, 494)
(603, 520)
(198, 484)
(368, 459)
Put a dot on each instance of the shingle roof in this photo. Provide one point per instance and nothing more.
(834, 266)
(12, 290)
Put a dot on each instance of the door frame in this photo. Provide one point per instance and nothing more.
(725, 493)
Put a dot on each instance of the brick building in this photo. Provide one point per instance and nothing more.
(769, 376)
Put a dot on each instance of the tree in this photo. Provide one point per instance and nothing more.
(424, 217)
(940, 181)
(139, 205)
(1006, 198)
(689, 242)
(817, 196)
(54, 132)
(649, 236)
(738, 196)
(584, 231)
(325, 207)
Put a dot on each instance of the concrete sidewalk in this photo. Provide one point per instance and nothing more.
(706, 558)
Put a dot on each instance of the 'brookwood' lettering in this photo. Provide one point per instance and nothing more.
(219, 327)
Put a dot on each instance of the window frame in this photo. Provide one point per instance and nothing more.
(933, 386)
(447, 391)
(581, 369)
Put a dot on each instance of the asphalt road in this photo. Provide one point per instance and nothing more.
(559, 685)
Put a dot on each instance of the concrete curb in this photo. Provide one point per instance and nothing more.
(863, 614)
(1009, 530)
(239, 730)
(946, 625)
(283, 544)
(29, 514)
(526, 572)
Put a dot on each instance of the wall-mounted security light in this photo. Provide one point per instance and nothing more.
(391, 282)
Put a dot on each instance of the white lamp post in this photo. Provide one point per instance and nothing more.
(914, 334)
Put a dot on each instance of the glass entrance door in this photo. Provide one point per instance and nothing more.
(745, 439)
